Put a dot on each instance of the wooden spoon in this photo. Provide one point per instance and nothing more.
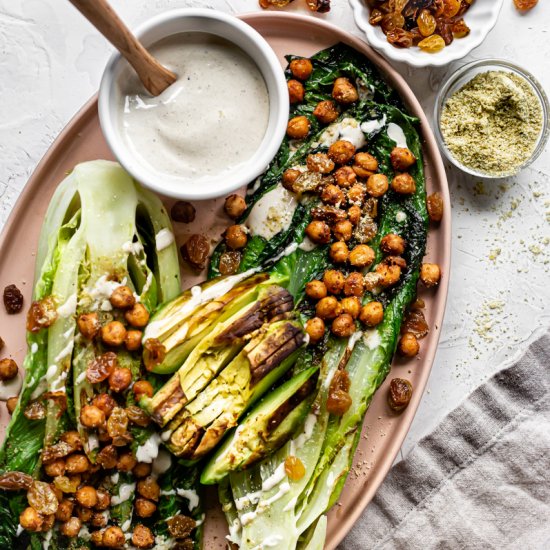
(99, 13)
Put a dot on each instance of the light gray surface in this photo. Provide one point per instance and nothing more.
(51, 63)
(481, 480)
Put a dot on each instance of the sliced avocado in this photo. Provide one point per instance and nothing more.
(180, 325)
(272, 422)
(223, 341)
(218, 407)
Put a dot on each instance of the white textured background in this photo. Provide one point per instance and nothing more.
(51, 62)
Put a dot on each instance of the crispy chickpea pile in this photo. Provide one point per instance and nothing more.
(75, 492)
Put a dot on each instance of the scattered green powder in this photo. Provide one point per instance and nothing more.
(493, 123)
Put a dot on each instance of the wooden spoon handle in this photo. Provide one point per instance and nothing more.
(154, 76)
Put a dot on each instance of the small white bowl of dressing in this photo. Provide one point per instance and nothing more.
(217, 127)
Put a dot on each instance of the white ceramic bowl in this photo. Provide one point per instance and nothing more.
(481, 17)
(243, 36)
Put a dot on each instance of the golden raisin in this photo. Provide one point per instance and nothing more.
(294, 468)
(399, 394)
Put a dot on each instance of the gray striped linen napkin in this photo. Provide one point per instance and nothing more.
(481, 480)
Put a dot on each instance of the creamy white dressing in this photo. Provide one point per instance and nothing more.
(34, 348)
(164, 543)
(290, 249)
(307, 245)
(371, 126)
(372, 338)
(10, 388)
(132, 248)
(191, 496)
(80, 378)
(149, 450)
(272, 213)
(212, 119)
(354, 338)
(162, 462)
(125, 491)
(234, 532)
(163, 239)
(275, 478)
(100, 293)
(396, 134)
(84, 533)
(126, 525)
(65, 352)
(348, 129)
(69, 307)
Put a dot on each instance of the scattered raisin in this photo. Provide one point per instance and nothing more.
(35, 411)
(181, 526)
(42, 314)
(524, 5)
(101, 367)
(229, 262)
(415, 323)
(195, 251)
(13, 299)
(434, 203)
(154, 353)
(294, 468)
(42, 498)
(15, 481)
(183, 212)
(400, 394)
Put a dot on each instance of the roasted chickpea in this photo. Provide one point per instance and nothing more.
(91, 416)
(144, 508)
(316, 290)
(343, 326)
(235, 237)
(430, 274)
(401, 158)
(326, 112)
(103, 500)
(319, 162)
(356, 194)
(328, 308)
(234, 206)
(377, 185)
(57, 492)
(339, 252)
(345, 176)
(141, 388)
(142, 537)
(315, 328)
(351, 305)
(8, 369)
(84, 514)
(11, 403)
(49, 522)
(99, 519)
(297, 127)
(434, 202)
(142, 469)
(148, 488)
(354, 214)
(318, 231)
(86, 496)
(341, 151)
(113, 537)
(126, 462)
(408, 345)
(70, 527)
(364, 164)
(64, 510)
(332, 194)
(88, 325)
(31, 520)
(77, 464)
(361, 256)
(301, 68)
(295, 91)
(334, 281)
(392, 244)
(55, 468)
(122, 297)
(72, 438)
(371, 314)
(342, 230)
(403, 184)
(113, 333)
(120, 379)
(97, 538)
(390, 274)
(138, 316)
(290, 175)
(343, 91)
(104, 402)
(354, 285)
(132, 340)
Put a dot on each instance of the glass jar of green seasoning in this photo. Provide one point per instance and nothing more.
(491, 118)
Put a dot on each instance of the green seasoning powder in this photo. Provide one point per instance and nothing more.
(493, 123)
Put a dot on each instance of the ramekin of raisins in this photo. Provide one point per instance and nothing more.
(425, 32)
